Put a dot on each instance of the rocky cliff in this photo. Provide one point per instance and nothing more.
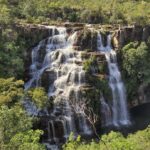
(76, 65)
(86, 42)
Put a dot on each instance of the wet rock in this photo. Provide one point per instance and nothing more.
(98, 55)
(87, 39)
(69, 24)
(101, 76)
(77, 48)
(77, 29)
(69, 30)
(146, 33)
(134, 103)
(47, 78)
(59, 128)
(86, 87)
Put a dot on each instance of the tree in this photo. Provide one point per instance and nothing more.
(11, 54)
(13, 121)
(113, 141)
(26, 140)
(136, 59)
(15, 124)
(39, 97)
(11, 91)
(4, 13)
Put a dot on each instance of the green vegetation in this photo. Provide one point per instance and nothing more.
(90, 11)
(113, 141)
(26, 140)
(15, 125)
(96, 77)
(90, 65)
(11, 54)
(39, 97)
(136, 59)
(11, 91)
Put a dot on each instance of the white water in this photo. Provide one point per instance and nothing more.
(106, 113)
(120, 114)
(65, 64)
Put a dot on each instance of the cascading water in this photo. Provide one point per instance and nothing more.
(120, 114)
(65, 77)
(106, 112)
(65, 66)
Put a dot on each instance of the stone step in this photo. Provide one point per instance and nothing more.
(99, 55)
(102, 76)
(77, 48)
(69, 24)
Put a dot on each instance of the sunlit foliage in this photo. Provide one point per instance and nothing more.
(113, 141)
(39, 97)
(136, 60)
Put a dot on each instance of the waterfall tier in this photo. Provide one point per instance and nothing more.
(59, 60)
(65, 78)
(118, 105)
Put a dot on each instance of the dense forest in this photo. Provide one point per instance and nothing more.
(93, 11)
(18, 129)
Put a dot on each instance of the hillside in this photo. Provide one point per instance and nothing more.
(74, 74)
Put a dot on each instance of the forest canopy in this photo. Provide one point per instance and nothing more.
(88, 11)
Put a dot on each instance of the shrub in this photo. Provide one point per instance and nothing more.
(136, 59)
(39, 97)
(113, 141)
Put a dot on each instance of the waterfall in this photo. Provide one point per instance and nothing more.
(120, 114)
(105, 112)
(66, 76)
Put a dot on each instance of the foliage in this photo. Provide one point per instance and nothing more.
(4, 14)
(90, 65)
(39, 97)
(95, 76)
(11, 54)
(72, 143)
(12, 121)
(11, 91)
(89, 11)
(26, 140)
(136, 59)
(15, 124)
(33, 8)
(114, 141)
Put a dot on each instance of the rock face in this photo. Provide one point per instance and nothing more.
(132, 33)
(142, 97)
(31, 34)
(94, 62)
(86, 42)
(74, 68)
(140, 115)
